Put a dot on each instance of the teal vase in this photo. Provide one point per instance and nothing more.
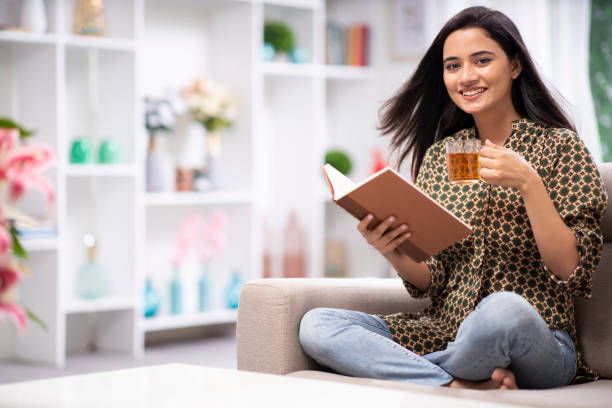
(232, 292)
(176, 294)
(152, 299)
(204, 292)
(92, 282)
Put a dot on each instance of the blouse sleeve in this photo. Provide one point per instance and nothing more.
(579, 196)
(434, 262)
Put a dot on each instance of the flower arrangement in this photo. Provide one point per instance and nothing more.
(159, 115)
(206, 236)
(210, 104)
(20, 166)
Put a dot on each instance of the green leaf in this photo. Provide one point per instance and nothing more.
(33, 317)
(10, 124)
(17, 248)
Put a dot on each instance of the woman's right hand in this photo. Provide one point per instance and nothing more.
(382, 238)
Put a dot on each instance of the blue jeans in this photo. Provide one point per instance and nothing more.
(504, 330)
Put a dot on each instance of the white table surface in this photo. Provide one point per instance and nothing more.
(179, 385)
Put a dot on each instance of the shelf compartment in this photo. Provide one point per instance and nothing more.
(105, 207)
(168, 322)
(101, 170)
(195, 198)
(99, 305)
(119, 19)
(100, 99)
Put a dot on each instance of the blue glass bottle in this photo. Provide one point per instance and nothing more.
(152, 299)
(92, 282)
(176, 294)
(232, 293)
(204, 292)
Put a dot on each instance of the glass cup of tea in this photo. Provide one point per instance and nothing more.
(462, 157)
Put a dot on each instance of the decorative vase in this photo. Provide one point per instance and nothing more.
(232, 292)
(184, 179)
(33, 16)
(204, 292)
(155, 169)
(214, 160)
(80, 151)
(109, 152)
(92, 282)
(176, 294)
(152, 299)
(89, 18)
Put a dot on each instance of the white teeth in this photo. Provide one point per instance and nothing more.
(473, 92)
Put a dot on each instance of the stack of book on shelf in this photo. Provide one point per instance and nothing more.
(348, 45)
(36, 230)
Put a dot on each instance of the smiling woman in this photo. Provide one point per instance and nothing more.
(502, 312)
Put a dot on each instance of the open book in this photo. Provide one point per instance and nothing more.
(386, 193)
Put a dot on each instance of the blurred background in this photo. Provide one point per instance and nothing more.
(188, 139)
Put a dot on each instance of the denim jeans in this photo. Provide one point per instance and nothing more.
(504, 330)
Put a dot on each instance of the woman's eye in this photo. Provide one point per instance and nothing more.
(452, 66)
(482, 61)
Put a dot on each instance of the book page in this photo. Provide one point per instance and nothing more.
(339, 183)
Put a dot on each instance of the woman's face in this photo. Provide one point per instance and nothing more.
(477, 72)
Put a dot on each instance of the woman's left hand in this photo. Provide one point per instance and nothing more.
(505, 167)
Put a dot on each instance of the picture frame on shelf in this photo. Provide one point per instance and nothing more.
(407, 28)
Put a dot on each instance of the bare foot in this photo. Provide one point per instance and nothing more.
(501, 379)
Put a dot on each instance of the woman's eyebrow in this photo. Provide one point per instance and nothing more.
(474, 54)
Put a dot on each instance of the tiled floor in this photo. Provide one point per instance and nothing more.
(217, 351)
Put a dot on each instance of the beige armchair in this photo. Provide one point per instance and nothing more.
(270, 311)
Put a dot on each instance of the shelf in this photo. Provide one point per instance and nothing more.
(100, 305)
(348, 72)
(189, 320)
(101, 170)
(287, 69)
(27, 37)
(303, 4)
(39, 244)
(196, 198)
(102, 43)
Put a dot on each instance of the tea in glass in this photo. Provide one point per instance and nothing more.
(462, 157)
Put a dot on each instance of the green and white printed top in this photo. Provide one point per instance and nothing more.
(502, 254)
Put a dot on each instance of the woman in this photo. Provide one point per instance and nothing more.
(502, 299)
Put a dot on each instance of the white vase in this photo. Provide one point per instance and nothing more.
(214, 160)
(189, 144)
(33, 16)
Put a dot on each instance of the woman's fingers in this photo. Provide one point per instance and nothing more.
(363, 224)
(395, 242)
(382, 238)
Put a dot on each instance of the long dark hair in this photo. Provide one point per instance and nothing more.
(422, 112)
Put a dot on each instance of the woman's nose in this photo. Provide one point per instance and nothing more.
(468, 74)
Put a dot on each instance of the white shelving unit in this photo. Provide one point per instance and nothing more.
(69, 86)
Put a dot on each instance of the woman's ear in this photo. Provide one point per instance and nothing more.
(516, 67)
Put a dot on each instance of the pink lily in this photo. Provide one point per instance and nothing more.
(22, 167)
(9, 277)
(15, 312)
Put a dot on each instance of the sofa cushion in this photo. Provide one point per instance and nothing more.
(605, 169)
(594, 394)
(594, 318)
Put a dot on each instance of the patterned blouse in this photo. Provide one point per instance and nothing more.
(502, 254)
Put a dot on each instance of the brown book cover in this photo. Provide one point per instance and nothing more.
(386, 193)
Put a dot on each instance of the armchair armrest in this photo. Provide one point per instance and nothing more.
(270, 311)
